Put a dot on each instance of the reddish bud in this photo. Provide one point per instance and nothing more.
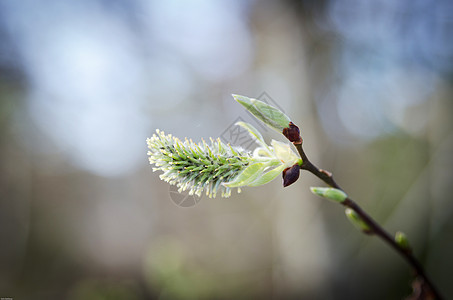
(290, 175)
(292, 133)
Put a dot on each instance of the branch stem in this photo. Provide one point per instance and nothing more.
(375, 228)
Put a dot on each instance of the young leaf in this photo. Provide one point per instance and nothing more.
(254, 133)
(248, 175)
(268, 176)
(269, 115)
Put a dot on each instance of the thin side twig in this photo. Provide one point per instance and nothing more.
(375, 228)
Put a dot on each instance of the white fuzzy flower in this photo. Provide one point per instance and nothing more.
(217, 167)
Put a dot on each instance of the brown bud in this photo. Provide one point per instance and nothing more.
(292, 133)
(290, 175)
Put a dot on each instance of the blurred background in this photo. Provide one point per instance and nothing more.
(84, 83)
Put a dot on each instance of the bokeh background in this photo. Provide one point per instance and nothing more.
(84, 83)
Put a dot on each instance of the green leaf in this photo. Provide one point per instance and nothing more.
(248, 175)
(254, 133)
(268, 176)
(269, 115)
(330, 193)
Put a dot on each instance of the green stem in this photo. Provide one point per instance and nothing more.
(374, 226)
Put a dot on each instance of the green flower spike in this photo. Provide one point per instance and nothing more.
(217, 167)
(196, 167)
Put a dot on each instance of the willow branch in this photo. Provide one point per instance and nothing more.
(375, 228)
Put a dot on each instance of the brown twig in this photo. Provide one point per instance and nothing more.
(375, 228)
